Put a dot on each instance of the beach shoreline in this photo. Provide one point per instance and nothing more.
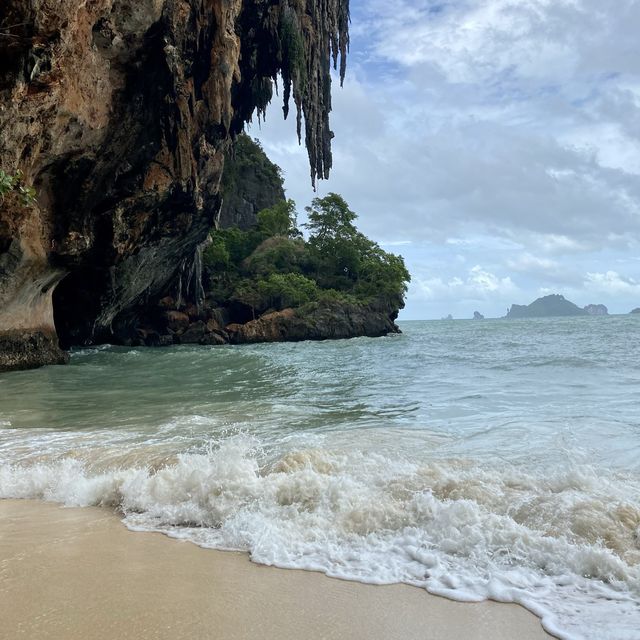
(79, 573)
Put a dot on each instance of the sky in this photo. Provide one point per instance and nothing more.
(494, 144)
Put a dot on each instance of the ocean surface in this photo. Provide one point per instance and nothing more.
(476, 459)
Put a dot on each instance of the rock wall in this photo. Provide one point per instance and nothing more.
(320, 322)
(250, 183)
(167, 325)
(119, 113)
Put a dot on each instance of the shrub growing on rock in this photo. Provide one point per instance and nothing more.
(272, 267)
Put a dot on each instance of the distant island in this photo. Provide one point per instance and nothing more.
(554, 305)
(596, 310)
(477, 315)
(636, 310)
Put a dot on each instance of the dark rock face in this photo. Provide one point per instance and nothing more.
(29, 349)
(636, 310)
(250, 183)
(119, 113)
(217, 326)
(477, 315)
(549, 306)
(324, 322)
(597, 310)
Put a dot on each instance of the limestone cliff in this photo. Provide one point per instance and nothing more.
(250, 183)
(119, 112)
(329, 321)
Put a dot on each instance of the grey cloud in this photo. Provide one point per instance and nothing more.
(517, 119)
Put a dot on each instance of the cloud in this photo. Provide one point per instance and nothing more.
(516, 121)
(612, 283)
(504, 117)
(529, 263)
(477, 285)
(477, 41)
(396, 243)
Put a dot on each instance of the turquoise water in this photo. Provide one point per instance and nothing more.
(494, 459)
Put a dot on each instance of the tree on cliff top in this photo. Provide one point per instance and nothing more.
(346, 259)
(329, 219)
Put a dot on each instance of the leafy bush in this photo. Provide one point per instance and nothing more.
(271, 267)
(383, 275)
(216, 256)
(15, 184)
(283, 290)
(277, 255)
(6, 183)
(329, 296)
(279, 220)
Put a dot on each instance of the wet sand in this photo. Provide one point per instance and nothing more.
(80, 574)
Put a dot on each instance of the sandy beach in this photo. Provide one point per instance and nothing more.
(79, 573)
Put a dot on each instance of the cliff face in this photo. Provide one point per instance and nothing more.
(119, 112)
(250, 183)
(319, 322)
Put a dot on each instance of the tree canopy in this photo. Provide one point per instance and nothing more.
(273, 267)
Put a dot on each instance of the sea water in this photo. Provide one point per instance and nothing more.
(476, 459)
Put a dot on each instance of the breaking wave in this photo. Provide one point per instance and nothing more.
(564, 544)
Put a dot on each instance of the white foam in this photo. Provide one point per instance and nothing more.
(565, 545)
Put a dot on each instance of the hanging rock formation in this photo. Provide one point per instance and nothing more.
(118, 113)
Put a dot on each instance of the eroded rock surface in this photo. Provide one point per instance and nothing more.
(29, 349)
(321, 322)
(250, 183)
(119, 112)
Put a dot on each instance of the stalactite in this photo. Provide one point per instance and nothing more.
(118, 113)
(300, 40)
(321, 36)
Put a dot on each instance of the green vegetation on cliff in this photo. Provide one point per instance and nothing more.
(272, 267)
(14, 183)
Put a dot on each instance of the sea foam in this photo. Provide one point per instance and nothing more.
(564, 544)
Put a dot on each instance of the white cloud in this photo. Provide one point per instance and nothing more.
(559, 244)
(488, 282)
(473, 41)
(504, 133)
(470, 39)
(477, 285)
(612, 283)
(530, 263)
